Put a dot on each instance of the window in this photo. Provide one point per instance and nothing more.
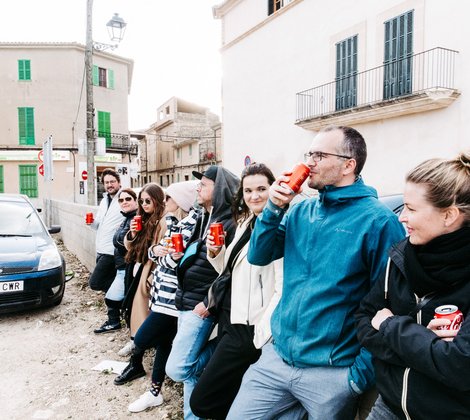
(346, 73)
(161, 180)
(275, 5)
(103, 77)
(167, 110)
(398, 50)
(104, 126)
(28, 180)
(2, 181)
(178, 153)
(167, 180)
(26, 126)
(24, 70)
(178, 177)
(167, 155)
(190, 150)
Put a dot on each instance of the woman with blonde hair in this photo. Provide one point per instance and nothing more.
(423, 368)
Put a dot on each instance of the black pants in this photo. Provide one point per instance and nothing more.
(104, 273)
(158, 330)
(219, 383)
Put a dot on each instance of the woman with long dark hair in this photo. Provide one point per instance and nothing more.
(422, 367)
(243, 304)
(151, 208)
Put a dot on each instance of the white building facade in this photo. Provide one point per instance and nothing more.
(394, 70)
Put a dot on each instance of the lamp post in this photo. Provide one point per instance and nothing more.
(116, 28)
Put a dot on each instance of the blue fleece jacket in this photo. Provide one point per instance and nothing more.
(334, 248)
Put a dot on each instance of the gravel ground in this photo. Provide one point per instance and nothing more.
(47, 358)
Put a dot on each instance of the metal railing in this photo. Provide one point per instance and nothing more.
(116, 141)
(409, 76)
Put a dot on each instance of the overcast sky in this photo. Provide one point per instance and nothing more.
(174, 44)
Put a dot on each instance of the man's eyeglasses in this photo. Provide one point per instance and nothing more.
(121, 200)
(146, 201)
(318, 156)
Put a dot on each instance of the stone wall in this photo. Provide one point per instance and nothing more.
(76, 235)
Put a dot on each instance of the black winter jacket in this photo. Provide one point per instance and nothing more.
(419, 375)
(194, 281)
(118, 240)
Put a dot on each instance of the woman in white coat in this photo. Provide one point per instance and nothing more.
(243, 301)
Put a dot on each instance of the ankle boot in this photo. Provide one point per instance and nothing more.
(133, 370)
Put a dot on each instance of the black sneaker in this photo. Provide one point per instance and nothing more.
(108, 327)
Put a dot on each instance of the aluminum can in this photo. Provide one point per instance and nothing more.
(217, 231)
(138, 221)
(167, 242)
(89, 218)
(177, 241)
(300, 173)
(452, 313)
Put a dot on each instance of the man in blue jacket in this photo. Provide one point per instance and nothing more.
(334, 248)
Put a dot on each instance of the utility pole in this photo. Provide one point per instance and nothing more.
(90, 130)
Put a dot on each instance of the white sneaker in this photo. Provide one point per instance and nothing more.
(145, 401)
(127, 349)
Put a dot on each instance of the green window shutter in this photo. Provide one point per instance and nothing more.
(398, 49)
(110, 79)
(24, 69)
(2, 182)
(29, 180)
(190, 150)
(96, 76)
(104, 126)
(26, 126)
(346, 73)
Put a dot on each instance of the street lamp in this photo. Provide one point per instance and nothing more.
(116, 28)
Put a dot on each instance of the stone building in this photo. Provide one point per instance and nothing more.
(185, 137)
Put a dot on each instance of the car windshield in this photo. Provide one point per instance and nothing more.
(19, 219)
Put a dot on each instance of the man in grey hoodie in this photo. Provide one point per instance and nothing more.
(190, 353)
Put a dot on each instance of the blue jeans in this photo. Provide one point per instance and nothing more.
(116, 290)
(190, 353)
(271, 386)
(380, 411)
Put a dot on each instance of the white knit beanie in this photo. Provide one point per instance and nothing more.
(184, 193)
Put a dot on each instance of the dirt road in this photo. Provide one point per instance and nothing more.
(47, 358)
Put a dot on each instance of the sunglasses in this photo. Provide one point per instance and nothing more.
(146, 201)
(167, 198)
(121, 200)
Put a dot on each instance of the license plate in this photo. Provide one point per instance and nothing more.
(11, 286)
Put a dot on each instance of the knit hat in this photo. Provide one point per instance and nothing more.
(183, 193)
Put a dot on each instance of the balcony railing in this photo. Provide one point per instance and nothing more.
(410, 76)
(116, 142)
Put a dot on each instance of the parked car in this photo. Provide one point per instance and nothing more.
(32, 270)
(394, 202)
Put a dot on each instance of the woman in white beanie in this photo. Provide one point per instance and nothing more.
(159, 329)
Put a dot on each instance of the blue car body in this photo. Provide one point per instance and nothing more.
(32, 270)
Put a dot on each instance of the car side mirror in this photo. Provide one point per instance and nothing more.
(54, 229)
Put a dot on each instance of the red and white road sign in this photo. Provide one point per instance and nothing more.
(41, 169)
(41, 156)
(84, 175)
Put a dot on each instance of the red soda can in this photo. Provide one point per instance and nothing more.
(138, 221)
(177, 241)
(300, 173)
(217, 232)
(89, 218)
(452, 313)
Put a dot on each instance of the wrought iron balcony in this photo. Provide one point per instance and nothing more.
(415, 83)
(116, 142)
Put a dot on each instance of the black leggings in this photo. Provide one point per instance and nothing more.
(158, 330)
(219, 383)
